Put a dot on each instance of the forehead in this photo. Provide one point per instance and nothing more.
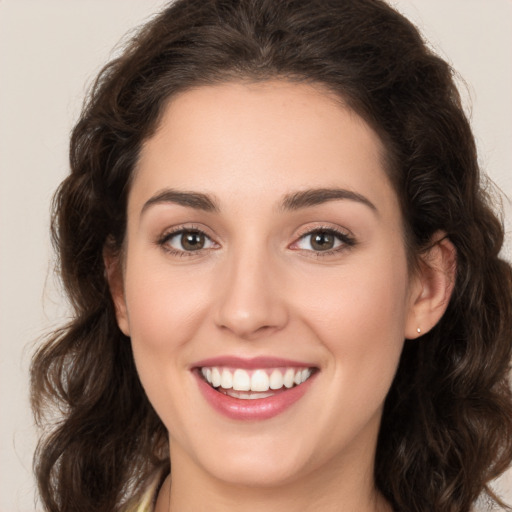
(259, 140)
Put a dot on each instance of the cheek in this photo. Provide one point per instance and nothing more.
(359, 314)
(358, 300)
(163, 307)
(165, 311)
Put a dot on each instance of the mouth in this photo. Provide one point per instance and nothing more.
(253, 389)
(254, 384)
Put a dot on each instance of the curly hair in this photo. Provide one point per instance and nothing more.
(447, 424)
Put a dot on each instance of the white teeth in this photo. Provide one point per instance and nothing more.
(241, 381)
(259, 381)
(247, 395)
(289, 377)
(226, 381)
(276, 380)
(215, 377)
(305, 374)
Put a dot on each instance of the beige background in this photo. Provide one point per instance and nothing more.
(49, 51)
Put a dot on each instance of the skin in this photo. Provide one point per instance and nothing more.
(260, 289)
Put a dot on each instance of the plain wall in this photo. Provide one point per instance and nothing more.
(49, 51)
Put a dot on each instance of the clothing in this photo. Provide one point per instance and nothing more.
(148, 500)
(146, 504)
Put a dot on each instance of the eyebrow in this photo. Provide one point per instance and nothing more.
(196, 200)
(314, 197)
(291, 202)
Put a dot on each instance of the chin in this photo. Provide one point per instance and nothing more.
(264, 472)
(254, 462)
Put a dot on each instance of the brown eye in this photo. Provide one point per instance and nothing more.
(192, 240)
(186, 241)
(322, 241)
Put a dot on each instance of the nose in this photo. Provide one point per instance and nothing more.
(251, 296)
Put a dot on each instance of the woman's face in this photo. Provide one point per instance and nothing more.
(265, 247)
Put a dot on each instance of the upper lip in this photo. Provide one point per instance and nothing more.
(251, 363)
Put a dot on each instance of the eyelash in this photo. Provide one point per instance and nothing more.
(180, 230)
(347, 241)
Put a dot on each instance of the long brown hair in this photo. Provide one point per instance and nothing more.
(447, 425)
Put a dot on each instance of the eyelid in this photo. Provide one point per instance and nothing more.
(312, 228)
(345, 236)
(169, 233)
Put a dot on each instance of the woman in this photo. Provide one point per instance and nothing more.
(284, 270)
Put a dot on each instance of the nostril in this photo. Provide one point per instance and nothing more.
(248, 333)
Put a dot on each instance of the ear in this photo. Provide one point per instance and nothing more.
(431, 286)
(114, 275)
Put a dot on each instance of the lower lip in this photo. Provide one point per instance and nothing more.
(252, 410)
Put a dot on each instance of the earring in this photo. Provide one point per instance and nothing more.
(418, 330)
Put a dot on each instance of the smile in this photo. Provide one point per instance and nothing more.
(253, 389)
(254, 384)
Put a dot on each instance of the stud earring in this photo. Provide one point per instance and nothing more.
(418, 330)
